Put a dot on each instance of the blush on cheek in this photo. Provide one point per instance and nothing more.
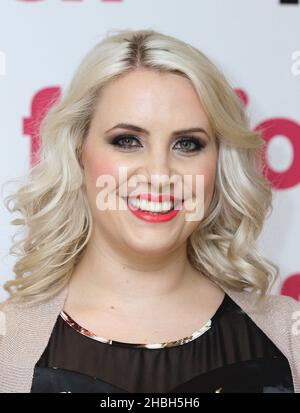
(96, 164)
(101, 167)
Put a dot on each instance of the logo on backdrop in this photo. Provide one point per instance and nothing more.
(291, 286)
(270, 129)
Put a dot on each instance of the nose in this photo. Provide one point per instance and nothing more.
(158, 170)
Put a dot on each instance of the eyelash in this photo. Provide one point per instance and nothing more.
(199, 145)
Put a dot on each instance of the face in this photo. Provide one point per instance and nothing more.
(159, 104)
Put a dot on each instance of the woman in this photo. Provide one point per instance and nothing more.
(146, 295)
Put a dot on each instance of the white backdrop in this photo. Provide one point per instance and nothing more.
(255, 43)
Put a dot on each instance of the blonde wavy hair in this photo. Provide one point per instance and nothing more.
(53, 203)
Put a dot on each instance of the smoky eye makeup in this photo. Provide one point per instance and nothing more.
(125, 141)
(186, 144)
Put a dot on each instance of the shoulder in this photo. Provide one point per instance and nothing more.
(281, 304)
(11, 308)
(26, 328)
(270, 311)
(24, 319)
(285, 311)
(279, 315)
(273, 302)
(7, 310)
(285, 300)
(269, 308)
(5, 305)
(13, 319)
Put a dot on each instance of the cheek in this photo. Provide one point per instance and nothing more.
(98, 163)
(208, 170)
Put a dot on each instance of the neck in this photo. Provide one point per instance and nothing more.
(105, 275)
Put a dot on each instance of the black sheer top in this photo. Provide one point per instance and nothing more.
(229, 354)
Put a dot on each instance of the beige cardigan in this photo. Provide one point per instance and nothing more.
(28, 329)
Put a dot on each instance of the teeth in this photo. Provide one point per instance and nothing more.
(151, 206)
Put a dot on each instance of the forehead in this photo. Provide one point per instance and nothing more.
(146, 95)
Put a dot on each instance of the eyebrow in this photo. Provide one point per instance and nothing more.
(141, 130)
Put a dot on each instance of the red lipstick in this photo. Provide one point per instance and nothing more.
(156, 216)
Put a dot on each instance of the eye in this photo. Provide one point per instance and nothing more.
(191, 144)
(124, 141)
(188, 144)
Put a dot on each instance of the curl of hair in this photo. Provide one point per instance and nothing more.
(52, 199)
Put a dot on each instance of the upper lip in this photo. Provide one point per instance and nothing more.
(155, 198)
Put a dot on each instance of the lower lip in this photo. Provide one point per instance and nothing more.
(155, 216)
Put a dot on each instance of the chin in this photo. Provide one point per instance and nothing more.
(150, 248)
